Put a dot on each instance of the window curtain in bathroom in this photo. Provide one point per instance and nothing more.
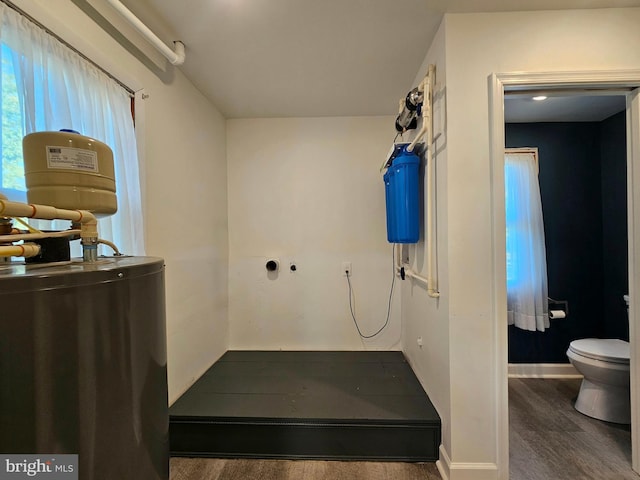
(56, 89)
(527, 297)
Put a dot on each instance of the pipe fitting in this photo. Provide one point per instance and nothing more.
(6, 226)
(88, 221)
(90, 252)
(25, 250)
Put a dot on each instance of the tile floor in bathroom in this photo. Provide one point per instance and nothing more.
(549, 440)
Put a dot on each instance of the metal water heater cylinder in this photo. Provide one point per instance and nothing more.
(83, 365)
(70, 171)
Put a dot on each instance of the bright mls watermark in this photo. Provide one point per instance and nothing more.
(51, 467)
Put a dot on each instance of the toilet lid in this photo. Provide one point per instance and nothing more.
(606, 349)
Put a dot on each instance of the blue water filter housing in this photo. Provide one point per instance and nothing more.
(402, 194)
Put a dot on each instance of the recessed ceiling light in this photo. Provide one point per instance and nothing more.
(539, 98)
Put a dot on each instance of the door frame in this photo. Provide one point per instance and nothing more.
(498, 83)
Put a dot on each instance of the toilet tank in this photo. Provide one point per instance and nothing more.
(71, 171)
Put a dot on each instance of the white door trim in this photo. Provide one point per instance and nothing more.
(633, 218)
(498, 82)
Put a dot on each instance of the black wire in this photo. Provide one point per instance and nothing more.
(393, 281)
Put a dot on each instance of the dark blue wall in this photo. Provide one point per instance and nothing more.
(613, 148)
(583, 189)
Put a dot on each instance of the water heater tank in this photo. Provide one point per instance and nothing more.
(83, 366)
(68, 170)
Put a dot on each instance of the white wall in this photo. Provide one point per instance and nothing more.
(309, 191)
(422, 316)
(477, 45)
(182, 141)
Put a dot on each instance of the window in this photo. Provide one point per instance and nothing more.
(12, 172)
(526, 255)
(48, 86)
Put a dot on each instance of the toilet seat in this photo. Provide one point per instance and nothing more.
(603, 349)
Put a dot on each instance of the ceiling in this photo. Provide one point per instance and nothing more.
(282, 58)
(559, 108)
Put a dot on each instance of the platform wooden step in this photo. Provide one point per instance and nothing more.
(319, 405)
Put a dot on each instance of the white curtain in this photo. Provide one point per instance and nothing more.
(527, 297)
(59, 89)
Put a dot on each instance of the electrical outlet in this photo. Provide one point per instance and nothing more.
(346, 269)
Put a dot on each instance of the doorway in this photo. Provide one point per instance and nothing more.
(580, 254)
(626, 82)
(579, 177)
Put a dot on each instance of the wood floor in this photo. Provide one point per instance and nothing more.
(549, 440)
(217, 469)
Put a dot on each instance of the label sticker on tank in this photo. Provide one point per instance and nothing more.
(72, 159)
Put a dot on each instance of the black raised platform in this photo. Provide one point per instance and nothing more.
(320, 405)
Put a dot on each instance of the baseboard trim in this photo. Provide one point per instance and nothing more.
(543, 370)
(443, 463)
(464, 471)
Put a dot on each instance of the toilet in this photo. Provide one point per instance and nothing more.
(604, 363)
